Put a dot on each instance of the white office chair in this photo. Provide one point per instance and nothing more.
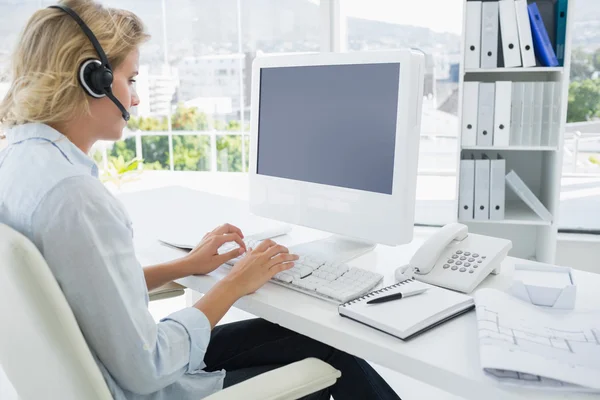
(45, 356)
(166, 291)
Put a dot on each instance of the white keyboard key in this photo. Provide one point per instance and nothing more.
(311, 283)
(311, 263)
(283, 276)
(331, 277)
(303, 269)
(295, 274)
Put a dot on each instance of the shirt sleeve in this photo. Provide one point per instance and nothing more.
(83, 233)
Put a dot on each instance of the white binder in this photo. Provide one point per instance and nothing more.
(485, 117)
(556, 121)
(469, 112)
(482, 189)
(497, 188)
(466, 189)
(527, 120)
(547, 114)
(516, 120)
(538, 108)
(525, 38)
(489, 34)
(520, 188)
(502, 113)
(510, 34)
(473, 35)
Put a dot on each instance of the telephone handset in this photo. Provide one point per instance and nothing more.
(455, 259)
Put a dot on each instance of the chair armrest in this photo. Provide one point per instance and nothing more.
(291, 382)
(166, 291)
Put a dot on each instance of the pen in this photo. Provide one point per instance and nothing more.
(396, 296)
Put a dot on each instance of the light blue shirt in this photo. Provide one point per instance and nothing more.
(50, 192)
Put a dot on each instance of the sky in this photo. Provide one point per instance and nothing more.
(437, 15)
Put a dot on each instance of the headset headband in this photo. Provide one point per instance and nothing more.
(88, 33)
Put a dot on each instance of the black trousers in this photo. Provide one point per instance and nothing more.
(248, 348)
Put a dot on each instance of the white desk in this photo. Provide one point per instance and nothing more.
(445, 357)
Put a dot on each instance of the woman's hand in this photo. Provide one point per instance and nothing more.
(259, 265)
(205, 257)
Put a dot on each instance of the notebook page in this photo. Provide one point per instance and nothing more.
(408, 315)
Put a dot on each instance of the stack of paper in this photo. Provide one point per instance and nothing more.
(526, 345)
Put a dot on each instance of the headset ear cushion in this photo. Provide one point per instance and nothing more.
(88, 77)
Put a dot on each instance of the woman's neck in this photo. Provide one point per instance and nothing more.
(77, 132)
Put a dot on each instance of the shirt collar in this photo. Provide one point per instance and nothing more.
(33, 131)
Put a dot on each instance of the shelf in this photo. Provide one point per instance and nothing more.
(516, 214)
(511, 148)
(516, 69)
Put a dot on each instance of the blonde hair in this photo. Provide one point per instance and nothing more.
(45, 63)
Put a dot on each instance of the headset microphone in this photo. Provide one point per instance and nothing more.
(95, 76)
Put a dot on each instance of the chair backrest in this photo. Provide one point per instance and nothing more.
(42, 349)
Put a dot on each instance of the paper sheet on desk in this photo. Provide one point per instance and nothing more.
(527, 345)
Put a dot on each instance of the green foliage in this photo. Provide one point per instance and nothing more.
(584, 100)
(582, 65)
(596, 60)
(155, 150)
(191, 153)
(120, 171)
(124, 148)
(189, 119)
(229, 153)
(594, 160)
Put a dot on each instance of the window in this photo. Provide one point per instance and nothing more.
(580, 194)
(195, 77)
(393, 24)
(14, 15)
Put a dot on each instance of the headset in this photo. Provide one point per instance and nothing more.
(95, 76)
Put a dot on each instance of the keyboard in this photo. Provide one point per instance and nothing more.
(316, 276)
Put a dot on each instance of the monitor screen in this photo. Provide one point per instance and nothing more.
(333, 125)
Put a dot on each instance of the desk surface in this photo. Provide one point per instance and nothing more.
(446, 357)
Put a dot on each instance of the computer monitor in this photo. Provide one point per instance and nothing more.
(335, 144)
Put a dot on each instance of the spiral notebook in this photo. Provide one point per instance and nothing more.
(408, 316)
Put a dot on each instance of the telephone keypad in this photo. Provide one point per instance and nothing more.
(464, 261)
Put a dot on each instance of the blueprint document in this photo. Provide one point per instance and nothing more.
(526, 345)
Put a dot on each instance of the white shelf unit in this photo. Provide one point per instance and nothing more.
(540, 167)
(515, 69)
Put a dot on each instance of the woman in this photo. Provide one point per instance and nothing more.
(50, 192)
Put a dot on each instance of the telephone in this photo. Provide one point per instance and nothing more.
(456, 259)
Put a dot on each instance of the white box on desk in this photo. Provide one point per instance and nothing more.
(554, 296)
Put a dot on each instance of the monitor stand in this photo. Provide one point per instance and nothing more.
(334, 248)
